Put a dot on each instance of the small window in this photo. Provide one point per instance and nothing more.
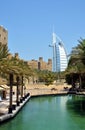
(4, 38)
(4, 30)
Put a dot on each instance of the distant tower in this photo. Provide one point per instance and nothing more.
(61, 57)
(59, 54)
(3, 35)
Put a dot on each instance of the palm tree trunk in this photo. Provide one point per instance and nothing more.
(80, 81)
(11, 84)
(21, 91)
(73, 83)
(22, 88)
(17, 92)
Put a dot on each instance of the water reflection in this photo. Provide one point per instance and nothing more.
(76, 104)
(50, 113)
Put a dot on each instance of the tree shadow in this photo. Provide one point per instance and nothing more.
(76, 105)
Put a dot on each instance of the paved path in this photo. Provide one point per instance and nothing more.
(5, 116)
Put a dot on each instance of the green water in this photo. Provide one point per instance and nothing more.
(50, 113)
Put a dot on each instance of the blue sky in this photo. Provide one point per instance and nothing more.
(30, 25)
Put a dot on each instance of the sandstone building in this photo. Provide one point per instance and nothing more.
(41, 64)
(35, 64)
(3, 35)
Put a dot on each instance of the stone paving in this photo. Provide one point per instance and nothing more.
(4, 105)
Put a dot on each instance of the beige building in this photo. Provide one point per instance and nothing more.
(3, 35)
(40, 64)
(35, 64)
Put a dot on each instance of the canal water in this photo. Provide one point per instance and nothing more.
(50, 113)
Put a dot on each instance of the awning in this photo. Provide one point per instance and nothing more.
(3, 87)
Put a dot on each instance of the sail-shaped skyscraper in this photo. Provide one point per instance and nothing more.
(59, 54)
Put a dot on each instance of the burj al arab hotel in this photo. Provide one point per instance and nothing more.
(59, 62)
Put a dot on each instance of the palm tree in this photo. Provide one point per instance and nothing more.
(12, 67)
(4, 68)
(15, 67)
(4, 52)
(81, 50)
(76, 63)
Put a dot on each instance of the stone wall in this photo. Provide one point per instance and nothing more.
(3, 35)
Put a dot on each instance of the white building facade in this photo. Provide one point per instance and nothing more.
(60, 61)
(61, 58)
